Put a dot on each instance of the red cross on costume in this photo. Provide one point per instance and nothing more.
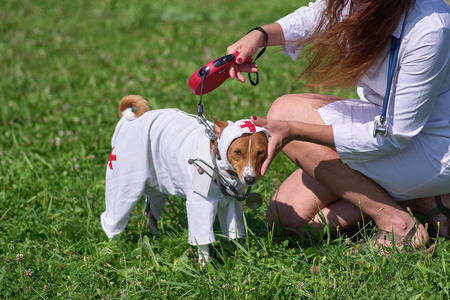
(112, 158)
(249, 125)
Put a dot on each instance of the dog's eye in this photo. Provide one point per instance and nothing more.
(238, 152)
(260, 153)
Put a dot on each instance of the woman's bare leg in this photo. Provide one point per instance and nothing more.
(323, 164)
(285, 212)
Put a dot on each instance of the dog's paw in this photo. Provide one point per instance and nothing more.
(203, 255)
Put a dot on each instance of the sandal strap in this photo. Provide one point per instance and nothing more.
(439, 209)
(440, 206)
(409, 237)
(387, 236)
(405, 240)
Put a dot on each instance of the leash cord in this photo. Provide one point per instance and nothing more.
(200, 116)
(203, 73)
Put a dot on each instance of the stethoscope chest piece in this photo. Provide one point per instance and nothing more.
(380, 127)
(254, 200)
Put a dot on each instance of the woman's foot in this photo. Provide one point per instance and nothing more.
(415, 238)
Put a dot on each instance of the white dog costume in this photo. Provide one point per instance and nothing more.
(150, 157)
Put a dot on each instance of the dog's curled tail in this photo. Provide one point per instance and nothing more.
(132, 107)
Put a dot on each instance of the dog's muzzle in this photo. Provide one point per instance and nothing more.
(253, 200)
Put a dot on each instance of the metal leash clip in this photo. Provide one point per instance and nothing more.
(210, 134)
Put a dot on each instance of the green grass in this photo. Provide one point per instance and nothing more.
(64, 65)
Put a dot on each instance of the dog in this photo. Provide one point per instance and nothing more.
(164, 152)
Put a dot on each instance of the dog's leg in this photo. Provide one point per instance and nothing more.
(203, 254)
(151, 220)
(154, 204)
(201, 215)
(231, 218)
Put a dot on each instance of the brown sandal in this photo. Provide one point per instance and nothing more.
(439, 209)
(405, 240)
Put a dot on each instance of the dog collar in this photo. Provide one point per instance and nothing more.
(227, 186)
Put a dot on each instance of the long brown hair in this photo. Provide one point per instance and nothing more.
(342, 50)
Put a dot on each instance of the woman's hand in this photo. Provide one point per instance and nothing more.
(283, 132)
(247, 46)
(279, 136)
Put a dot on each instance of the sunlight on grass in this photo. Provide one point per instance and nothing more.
(64, 66)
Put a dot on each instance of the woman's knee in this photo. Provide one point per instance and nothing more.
(299, 107)
(288, 107)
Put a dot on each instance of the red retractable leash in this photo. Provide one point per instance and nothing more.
(203, 81)
(213, 74)
(208, 78)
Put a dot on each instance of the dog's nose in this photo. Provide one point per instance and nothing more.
(249, 179)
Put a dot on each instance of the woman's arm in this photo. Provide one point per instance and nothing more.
(423, 74)
(285, 32)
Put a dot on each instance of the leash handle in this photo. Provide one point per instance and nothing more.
(266, 38)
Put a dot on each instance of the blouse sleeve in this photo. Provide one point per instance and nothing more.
(424, 67)
(299, 25)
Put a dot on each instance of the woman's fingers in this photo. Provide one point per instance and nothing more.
(267, 161)
(236, 70)
(232, 71)
(278, 138)
(245, 47)
(248, 68)
(239, 75)
(271, 149)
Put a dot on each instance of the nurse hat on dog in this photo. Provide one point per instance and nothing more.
(232, 132)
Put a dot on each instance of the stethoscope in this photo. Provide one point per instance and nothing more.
(253, 200)
(380, 126)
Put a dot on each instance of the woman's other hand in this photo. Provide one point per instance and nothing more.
(279, 136)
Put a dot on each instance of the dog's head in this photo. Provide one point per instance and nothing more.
(242, 146)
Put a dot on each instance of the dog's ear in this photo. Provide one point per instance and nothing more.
(218, 126)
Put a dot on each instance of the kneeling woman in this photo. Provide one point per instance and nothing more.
(347, 161)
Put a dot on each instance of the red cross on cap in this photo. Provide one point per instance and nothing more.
(112, 158)
(249, 125)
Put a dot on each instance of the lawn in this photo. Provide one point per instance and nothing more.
(64, 66)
